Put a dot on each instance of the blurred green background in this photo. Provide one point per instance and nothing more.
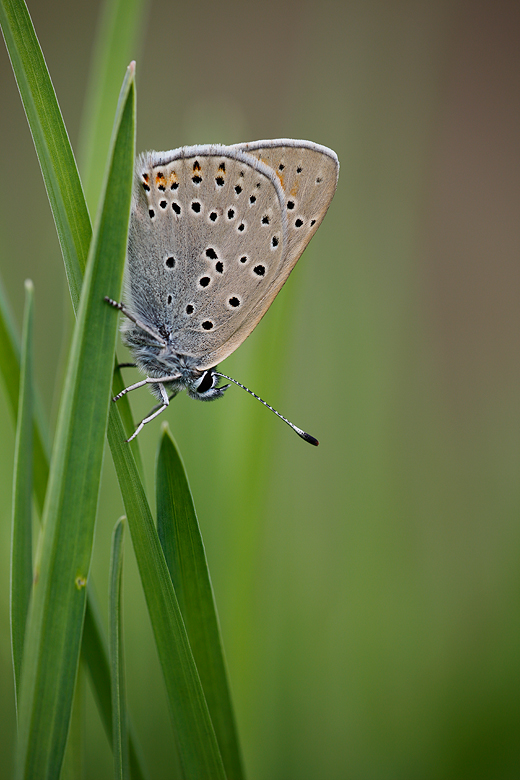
(368, 590)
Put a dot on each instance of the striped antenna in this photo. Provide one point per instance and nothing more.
(305, 436)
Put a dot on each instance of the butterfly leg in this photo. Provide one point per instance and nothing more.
(158, 406)
(148, 381)
(126, 390)
(122, 308)
(152, 416)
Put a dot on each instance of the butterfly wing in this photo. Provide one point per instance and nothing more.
(308, 175)
(206, 239)
(210, 240)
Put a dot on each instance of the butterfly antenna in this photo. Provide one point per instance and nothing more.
(305, 436)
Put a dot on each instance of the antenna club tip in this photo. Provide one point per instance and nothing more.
(309, 438)
(305, 436)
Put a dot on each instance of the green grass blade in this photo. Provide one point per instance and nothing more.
(9, 354)
(115, 644)
(28, 42)
(94, 648)
(120, 25)
(21, 537)
(197, 745)
(74, 758)
(51, 649)
(52, 143)
(93, 652)
(10, 372)
(55, 155)
(50, 139)
(127, 418)
(180, 537)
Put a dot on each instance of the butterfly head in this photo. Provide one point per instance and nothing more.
(204, 387)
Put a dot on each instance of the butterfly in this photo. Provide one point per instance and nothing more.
(214, 233)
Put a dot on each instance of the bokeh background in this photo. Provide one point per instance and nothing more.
(368, 590)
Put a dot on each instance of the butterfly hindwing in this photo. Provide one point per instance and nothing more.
(308, 175)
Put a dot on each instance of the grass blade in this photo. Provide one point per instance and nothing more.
(61, 178)
(9, 354)
(10, 371)
(51, 650)
(127, 418)
(52, 144)
(74, 758)
(94, 649)
(115, 644)
(25, 53)
(50, 140)
(120, 24)
(180, 537)
(93, 652)
(197, 745)
(54, 153)
(21, 537)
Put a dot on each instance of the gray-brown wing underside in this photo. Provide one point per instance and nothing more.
(308, 175)
(211, 240)
(206, 240)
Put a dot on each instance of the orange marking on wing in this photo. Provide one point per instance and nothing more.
(282, 179)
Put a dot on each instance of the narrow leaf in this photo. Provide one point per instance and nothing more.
(94, 649)
(115, 644)
(74, 758)
(60, 175)
(197, 745)
(10, 372)
(9, 354)
(55, 155)
(21, 537)
(127, 418)
(51, 650)
(94, 654)
(50, 140)
(120, 25)
(24, 46)
(181, 540)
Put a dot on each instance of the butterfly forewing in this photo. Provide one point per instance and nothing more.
(308, 175)
(213, 226)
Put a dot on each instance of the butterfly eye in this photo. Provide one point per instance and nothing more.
(206, 382)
